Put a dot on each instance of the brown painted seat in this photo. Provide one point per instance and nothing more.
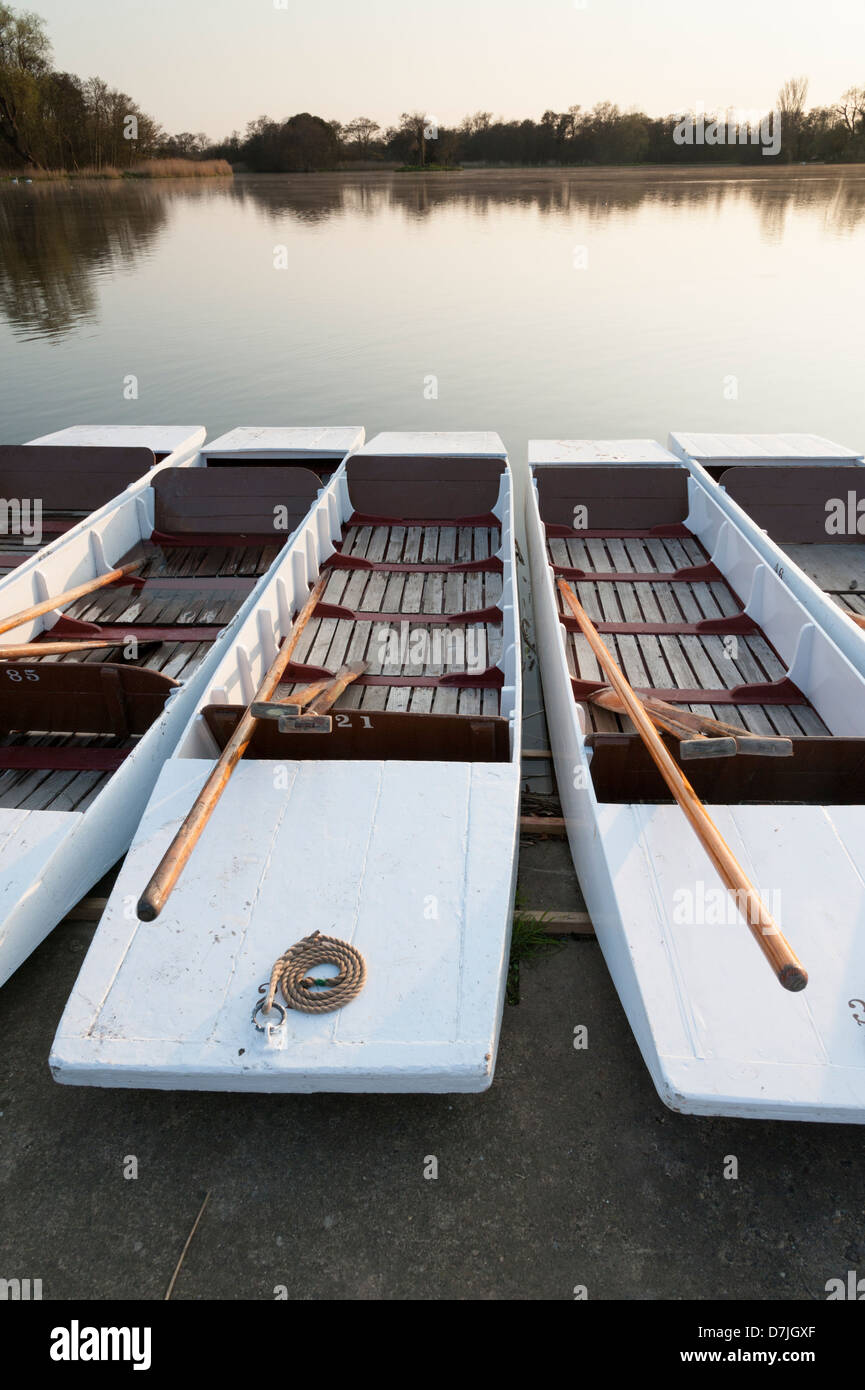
(233, 501)
(373, 734)
(417, 489)
(791, 503)
(616, 499)
(823, 770)
(70, 479)
(81, 697)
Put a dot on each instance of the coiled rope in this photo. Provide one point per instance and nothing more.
(290, 975)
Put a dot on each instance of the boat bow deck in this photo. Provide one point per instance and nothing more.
(401, 859)
(717, 1033)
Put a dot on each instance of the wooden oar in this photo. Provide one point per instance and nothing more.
(858, 618)
(26, 649)
(171, 865)
(306, 693)
(289, 704)
(774, 945)
(316, 719)
(687, 725)
(769, 745)
(318, 698)
(692, 742)
(47, 605)
(343, 678)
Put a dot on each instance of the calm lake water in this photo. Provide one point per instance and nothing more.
(551, 303)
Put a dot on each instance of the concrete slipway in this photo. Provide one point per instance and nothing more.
(568, 1171)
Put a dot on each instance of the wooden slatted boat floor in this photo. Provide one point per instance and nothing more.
(657, 658)
(405, 652)
(185, 586)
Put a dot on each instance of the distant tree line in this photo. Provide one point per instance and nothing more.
(603, 135)
(51, 119)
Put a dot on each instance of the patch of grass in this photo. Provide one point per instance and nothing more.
(529, 942)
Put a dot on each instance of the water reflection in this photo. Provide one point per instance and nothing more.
(839, 197)
(57, 240)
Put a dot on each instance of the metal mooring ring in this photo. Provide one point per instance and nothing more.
(263, 1027)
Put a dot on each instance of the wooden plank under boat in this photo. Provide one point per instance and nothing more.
(805, 512)
(83, 733)
(694, 613)
(75, 473)
(395, 832)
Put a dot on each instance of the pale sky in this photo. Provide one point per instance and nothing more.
(213, 65)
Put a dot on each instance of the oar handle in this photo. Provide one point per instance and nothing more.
(47, 605)
(25, 649)
(768, 935)
(170, 867)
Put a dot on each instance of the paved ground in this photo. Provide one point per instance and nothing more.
(569, 1171)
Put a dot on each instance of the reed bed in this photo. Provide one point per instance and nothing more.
(147, 169)
(183, 169)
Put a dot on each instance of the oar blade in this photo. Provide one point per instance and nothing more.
(759, 747)
(305, 724)
(691, 748)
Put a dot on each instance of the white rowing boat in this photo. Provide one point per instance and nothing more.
(695, 613)
(395, 831)
(57, 482)
(801, 500)
(85, 730)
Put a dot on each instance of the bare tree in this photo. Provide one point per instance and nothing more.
(361, 132)
(851, 109)
(98, 96)
(792, 96)
(791, 108)
(480, 121)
